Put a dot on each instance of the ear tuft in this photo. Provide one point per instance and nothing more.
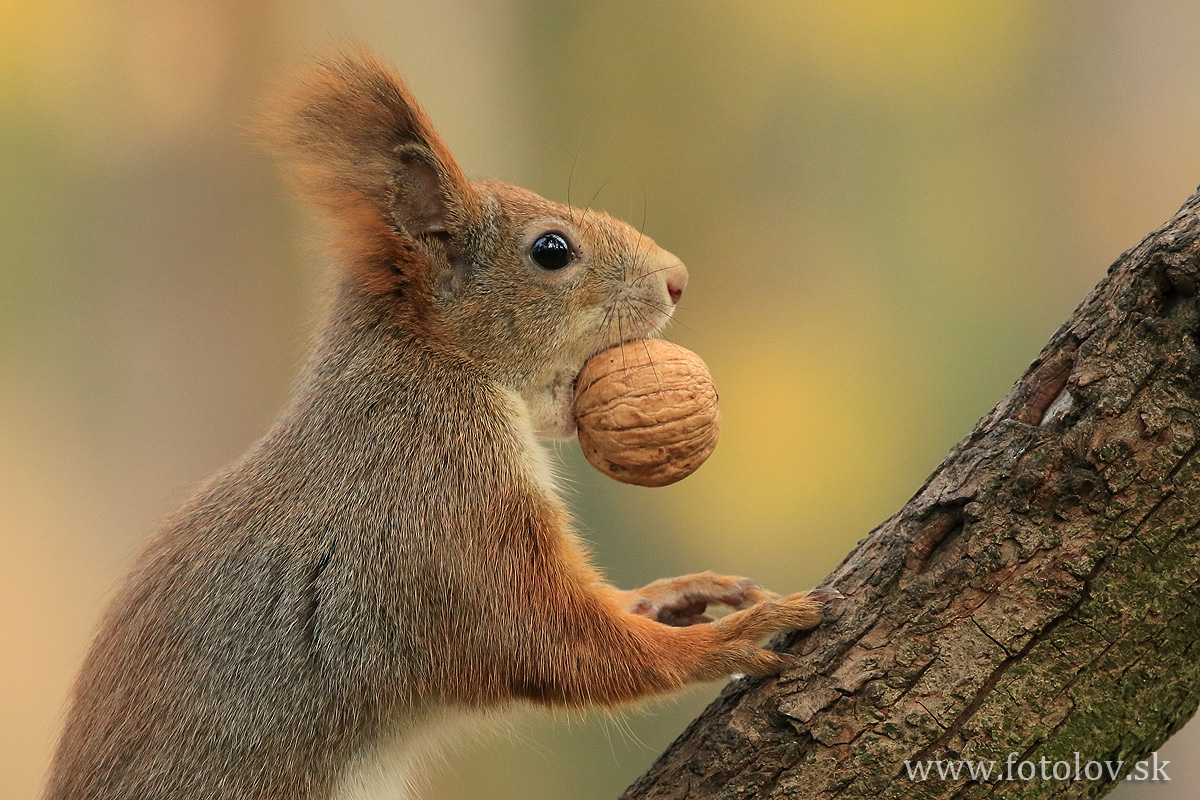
(359, 148)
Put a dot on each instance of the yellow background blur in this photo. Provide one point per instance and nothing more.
(886, 207)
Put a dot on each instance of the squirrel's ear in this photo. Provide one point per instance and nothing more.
(423, 196)
(359, 148)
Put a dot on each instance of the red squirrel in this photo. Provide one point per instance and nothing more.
(394, 548)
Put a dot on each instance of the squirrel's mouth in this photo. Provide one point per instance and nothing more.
(556, 414)
(557, 420)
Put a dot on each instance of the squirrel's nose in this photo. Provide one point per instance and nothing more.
(677, 278)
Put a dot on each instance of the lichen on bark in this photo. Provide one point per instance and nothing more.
(1039, 595)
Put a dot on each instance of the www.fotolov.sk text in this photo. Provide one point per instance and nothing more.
(1150, 769)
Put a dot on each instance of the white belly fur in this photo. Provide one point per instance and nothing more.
(398, 766)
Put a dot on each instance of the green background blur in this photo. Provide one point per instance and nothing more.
(886, 207)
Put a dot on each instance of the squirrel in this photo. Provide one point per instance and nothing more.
(394, 548)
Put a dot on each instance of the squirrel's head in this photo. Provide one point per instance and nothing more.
(526, 288)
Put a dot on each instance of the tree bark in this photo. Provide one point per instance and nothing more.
(1038, 596)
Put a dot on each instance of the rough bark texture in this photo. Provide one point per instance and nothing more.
(1038, 595)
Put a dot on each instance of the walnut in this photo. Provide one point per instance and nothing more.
(647, 412)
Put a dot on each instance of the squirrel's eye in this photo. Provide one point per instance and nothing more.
(551, 251)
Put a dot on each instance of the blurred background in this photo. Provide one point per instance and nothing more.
(887, 206)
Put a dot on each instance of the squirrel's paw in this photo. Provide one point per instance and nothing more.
(799, 611)
(740, 632)
(684, 600)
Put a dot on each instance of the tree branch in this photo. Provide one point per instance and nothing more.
(1037, 596)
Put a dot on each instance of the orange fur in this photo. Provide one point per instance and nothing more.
(394, 547)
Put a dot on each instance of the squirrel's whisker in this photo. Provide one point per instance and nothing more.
(593, 200)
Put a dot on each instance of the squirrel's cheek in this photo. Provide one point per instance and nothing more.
(560, 411)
